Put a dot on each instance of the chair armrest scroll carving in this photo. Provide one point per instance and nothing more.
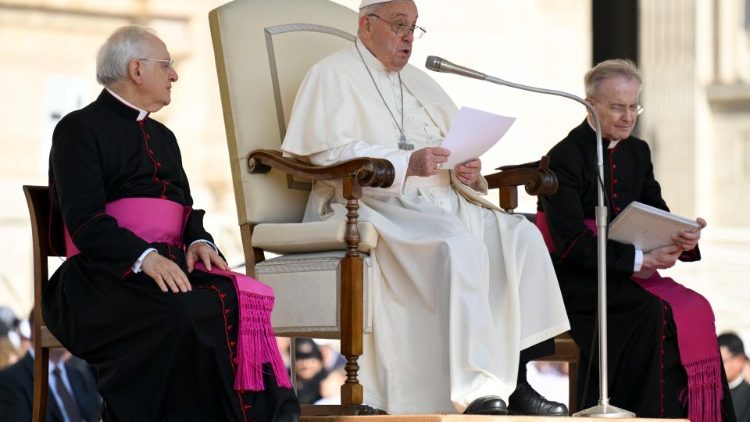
(369, 172)
(536, 177)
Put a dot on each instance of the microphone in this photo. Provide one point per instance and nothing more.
(438, 64)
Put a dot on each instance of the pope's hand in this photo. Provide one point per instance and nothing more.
(468, 172)
(427, 161)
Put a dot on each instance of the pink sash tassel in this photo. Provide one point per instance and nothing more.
(696, 336)
(256, 343)
(699, 349)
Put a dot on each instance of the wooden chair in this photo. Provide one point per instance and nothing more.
(321, 277)
(48, 241)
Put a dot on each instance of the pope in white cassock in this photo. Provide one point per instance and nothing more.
(464, 294)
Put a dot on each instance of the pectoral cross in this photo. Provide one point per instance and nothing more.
(403, 145)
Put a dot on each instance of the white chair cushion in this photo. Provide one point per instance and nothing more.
(318, 236)
(308, 292)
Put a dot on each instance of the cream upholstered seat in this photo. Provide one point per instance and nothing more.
(322, 277)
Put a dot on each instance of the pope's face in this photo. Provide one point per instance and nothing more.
(379, 36)
(158, 76)
(616, 103)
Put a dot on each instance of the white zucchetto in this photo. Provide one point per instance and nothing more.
(366, 3)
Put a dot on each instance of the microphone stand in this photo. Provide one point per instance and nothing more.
(603, 409)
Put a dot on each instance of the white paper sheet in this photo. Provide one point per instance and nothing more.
(473, 133)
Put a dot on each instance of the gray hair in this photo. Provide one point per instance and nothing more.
(373, 8)
(368, 10)
(125, 44)
(607, 69)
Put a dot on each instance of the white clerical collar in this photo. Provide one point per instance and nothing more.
(372, 61)
(141, 113)
(734, 384)
(612, 144)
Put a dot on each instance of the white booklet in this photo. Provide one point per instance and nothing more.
(647, 227)
(473, 133)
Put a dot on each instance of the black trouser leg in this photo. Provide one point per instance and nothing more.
(545, 348)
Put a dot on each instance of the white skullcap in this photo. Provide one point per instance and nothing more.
(366, 3)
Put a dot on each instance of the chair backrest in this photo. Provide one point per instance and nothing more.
(263, 50)
(48, 241)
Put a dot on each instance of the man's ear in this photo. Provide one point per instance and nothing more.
(364, 25)
(134, 71)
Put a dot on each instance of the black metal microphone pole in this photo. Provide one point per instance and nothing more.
(603, 409)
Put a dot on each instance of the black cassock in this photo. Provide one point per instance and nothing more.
(645, 374)
(158, 356)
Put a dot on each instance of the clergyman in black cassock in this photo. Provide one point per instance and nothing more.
(645, 371)
(164, 348)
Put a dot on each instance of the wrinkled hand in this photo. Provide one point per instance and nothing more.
(202, 252)
(661, 258)
(427, 161)
(688, 240)
(167, 275)
(468, 172)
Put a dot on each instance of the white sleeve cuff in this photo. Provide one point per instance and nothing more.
(136, 267)
(207, 243)
(638, 260)
(356, 149)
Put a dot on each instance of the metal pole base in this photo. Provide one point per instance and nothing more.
(604, 410)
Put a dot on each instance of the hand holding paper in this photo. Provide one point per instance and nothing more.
(473, 133)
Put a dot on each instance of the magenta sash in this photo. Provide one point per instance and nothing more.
(696, 335)
(161, 220)
(165, 222)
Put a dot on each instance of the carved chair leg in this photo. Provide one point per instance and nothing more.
(351, 327)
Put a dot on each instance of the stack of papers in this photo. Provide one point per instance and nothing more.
(473, 133)
(647, 227)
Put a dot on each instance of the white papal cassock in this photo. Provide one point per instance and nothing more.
(460, 287)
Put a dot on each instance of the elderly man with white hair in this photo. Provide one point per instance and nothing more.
(464, 294)
(144, 296)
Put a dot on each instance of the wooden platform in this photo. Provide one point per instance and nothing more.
(463, 418)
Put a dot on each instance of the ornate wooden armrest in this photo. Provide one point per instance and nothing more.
(536, 177)
(355, 174)
(370, 172)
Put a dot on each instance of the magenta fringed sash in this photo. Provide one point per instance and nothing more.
(256, 343)
(164, 221)
(696, 336)
(699, 349)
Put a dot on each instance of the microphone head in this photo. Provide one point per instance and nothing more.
(434, 63)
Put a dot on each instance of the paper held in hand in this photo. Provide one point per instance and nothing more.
(473, 133)
(647, 227)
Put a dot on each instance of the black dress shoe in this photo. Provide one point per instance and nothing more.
(364, 409)
(526, 401)
(487, 405)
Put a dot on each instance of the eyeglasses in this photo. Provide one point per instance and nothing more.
(620, 109)
(168, 63)
(402, 29)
